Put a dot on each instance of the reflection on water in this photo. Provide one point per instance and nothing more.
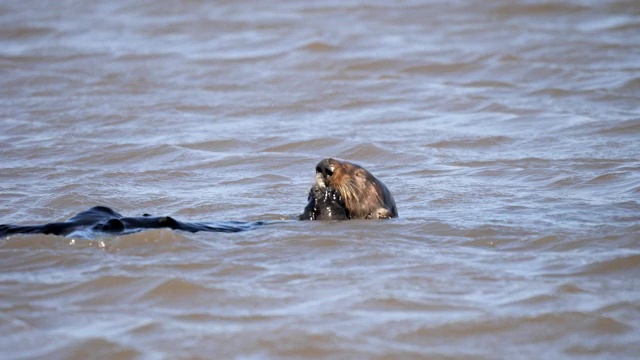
(506, 131)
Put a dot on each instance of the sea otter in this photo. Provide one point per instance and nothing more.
(347, 191)
(101, 219)
(342, 191)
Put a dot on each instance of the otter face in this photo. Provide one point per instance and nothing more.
(365, 197)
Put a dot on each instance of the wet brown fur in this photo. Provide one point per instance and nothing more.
(365, 197)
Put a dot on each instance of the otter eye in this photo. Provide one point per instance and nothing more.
(326, 171)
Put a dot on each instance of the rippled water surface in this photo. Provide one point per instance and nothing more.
(508, 132)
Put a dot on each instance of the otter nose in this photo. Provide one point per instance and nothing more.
(325, 168)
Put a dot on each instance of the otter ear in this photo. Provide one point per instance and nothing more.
(383, 213)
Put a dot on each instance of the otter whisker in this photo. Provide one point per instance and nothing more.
(350, 191)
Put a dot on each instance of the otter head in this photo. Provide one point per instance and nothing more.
(365, 197)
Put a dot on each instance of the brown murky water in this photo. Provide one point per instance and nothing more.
(508, 131)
